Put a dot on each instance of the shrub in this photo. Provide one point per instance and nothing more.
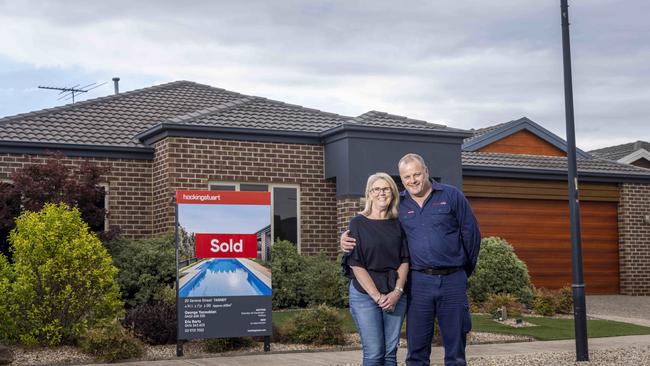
(550, 302)
(289, 280)
(218, 345)
(145, 267)
(499, 271)
(324, 282)
(496, 301)
(544, 302)
(565, 300)
(111, 342)
(63, 278)
(153, 323)
(318, 326)
(6, 321)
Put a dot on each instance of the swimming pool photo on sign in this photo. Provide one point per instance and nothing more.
(225, 277)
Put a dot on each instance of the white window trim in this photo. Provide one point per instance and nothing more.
(106, 187)
(270, 187)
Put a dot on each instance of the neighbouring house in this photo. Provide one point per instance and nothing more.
(184, 135)
(634, 153)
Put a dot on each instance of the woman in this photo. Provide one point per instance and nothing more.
(378, 267)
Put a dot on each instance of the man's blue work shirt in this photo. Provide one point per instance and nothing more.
(443, 232)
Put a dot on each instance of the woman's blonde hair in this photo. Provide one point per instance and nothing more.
(394, 202)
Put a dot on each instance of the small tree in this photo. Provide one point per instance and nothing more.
(34, 185)
(63, 279)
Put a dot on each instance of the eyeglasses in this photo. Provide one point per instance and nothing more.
(378, 190)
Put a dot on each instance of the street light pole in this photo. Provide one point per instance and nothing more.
(578, 286)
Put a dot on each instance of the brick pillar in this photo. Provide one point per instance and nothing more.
(634, 239)
(346, 208)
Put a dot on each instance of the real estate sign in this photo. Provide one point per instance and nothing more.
(222, 292)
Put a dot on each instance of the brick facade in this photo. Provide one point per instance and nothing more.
(193, 163)
(129, 186)
(346, 209)
(634, 239)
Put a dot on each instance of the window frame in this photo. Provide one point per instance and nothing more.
(270, 188)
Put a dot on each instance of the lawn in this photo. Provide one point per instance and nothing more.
(547, 328)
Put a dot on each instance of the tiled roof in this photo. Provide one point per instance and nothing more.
(116, 120)
(113, 120)
(261, 113)
(548, 163)
(619, 151)
(478, 132)
(383, 119)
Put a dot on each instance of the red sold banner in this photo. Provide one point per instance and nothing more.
(226, 245)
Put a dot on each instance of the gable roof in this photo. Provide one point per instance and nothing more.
(485, 136)
(620, 151)
(494, 164)
(123, 121)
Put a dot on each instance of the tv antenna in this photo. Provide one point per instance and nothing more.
(67, 93)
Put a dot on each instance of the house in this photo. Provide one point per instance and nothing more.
(634, 153)
(184, 135)
(514, 175)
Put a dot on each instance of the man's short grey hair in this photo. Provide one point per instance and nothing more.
(411, 157)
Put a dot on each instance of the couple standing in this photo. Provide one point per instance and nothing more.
(411, 253)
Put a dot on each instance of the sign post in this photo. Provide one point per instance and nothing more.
(221, 292)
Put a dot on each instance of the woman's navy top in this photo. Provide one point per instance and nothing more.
(381, 248)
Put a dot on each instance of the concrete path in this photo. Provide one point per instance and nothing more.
(628, 309)
(354, 357)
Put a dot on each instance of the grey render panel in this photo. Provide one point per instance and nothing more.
(352, 159)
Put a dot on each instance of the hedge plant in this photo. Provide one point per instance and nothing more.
(300, 281)
(498, 271)
(62, 278)
(320, 325)
(146, 267)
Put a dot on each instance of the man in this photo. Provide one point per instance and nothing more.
(444, 241)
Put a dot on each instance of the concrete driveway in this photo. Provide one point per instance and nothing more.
(629, 309)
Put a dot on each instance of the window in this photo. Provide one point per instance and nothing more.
(9, 210)
(103, 203)
(285, 202)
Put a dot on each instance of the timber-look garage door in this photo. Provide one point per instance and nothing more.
(534, 217)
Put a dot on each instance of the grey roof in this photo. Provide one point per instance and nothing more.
(383, 119)
(113, 120)
(119, 120)
(488, 135)
(549, 163)
(261, 113)
(619, 151)
(478, 132)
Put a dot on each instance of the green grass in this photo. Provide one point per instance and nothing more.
(547, 329)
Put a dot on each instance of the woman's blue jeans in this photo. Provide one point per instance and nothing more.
(379, 330)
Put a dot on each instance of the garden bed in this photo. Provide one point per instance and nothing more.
(194, 349)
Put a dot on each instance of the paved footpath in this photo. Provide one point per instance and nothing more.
(480, 353)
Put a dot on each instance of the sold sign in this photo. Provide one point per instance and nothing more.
(226, 245)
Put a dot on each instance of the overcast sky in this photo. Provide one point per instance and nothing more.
(465, 64)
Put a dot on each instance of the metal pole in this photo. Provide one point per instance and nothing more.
(179, 342)
(579, 307)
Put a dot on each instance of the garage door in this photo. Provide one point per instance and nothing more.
(539, 230)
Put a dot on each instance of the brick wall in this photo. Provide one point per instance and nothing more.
(129, 182)
(634, 239)
(192, 163)
(346, 209)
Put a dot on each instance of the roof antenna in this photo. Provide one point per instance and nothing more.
(70, 92)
